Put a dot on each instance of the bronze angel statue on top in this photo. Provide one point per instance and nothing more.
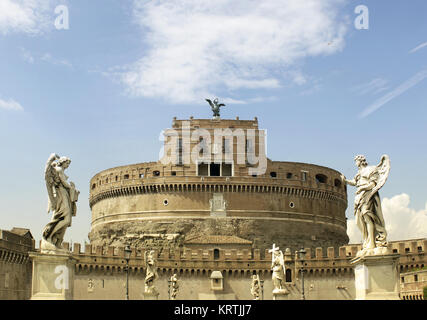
(215, 106)
(62, 198)
(367, 204)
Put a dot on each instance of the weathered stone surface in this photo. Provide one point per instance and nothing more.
(53, 276)
(377, 277)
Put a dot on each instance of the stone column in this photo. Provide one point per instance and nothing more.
(53, 276)
(376, 277)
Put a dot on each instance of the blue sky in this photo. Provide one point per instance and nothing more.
(102, 90)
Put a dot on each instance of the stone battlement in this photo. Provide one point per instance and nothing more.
(181, 260)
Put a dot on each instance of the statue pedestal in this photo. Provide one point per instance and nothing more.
(53, 276)
(281, 295)
(151, 295)
(376, 277)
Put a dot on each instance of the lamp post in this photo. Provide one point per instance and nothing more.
(128, 252)
(301, 254)
(261, 282)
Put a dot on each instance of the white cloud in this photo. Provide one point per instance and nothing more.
(402, 222)
(10, 105)
(27, 56)
(374, 86)
(47, 57)
(195, 48)
(26, 16)
(422, 45)
(394, 93)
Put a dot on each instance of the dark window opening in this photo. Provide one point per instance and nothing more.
(415, 277)
(156, 173)
(288, 275)
(226, 170)
(141, 175)
(420, 249)
(289, 175)
(215, 170)
(321, 178)
(173, 173)
(406, 249)
(203, 169)
(179, 152)
(273, 174)
(216, 254)
(94, 186)
(117, 178)
(394, 250)
(126, 176)
(337, 183)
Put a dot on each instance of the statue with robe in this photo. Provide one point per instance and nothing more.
(62, 199)
(367, 204)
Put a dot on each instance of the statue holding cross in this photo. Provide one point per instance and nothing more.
(278, 267)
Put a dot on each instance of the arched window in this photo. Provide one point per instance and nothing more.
(337, 183)
(321, 178)
(216, 254)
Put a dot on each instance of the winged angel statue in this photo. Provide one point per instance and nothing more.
(63, 196)
(215, 106)
(367, 204)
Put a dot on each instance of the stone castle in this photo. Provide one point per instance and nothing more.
(218, 193)
(211, 208)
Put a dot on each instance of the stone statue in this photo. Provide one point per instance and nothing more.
(367, 204)
(255, 286)
(215, 106)
(63, 196)
(174, 286)
(278, 267)
(151, 273)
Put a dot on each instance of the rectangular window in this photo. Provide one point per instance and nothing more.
(226, 170)
(303, 175)
(202, 144)
(215, 170)
(203, 169)
(179, 152)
